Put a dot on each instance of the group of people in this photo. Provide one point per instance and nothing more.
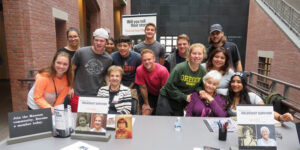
(191, 79)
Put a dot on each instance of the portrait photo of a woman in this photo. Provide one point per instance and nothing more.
(248, 137)
(98, 123)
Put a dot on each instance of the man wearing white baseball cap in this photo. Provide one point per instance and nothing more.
(90, 64)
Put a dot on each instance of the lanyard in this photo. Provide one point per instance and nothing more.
(54, 88)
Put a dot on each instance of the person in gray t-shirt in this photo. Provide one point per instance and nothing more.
(150, 43)
(90, 65)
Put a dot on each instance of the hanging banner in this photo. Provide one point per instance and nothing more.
(135, 24)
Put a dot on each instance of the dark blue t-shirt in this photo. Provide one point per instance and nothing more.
(128, 64)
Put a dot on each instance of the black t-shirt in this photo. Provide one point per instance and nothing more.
(179, 59)
(71, 53)
(112, 109)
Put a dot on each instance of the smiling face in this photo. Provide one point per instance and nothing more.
(122, 125)
(98, 123)
(210, 85)
(148, 61)
(265, 134)
(99, 45)
(247, 133)
(236, 84)
(115, 78)
(110, 45)
(82, 121)
(123, 49)
(196, 55)
(182, 46)
(61, 65)
(150, 31)
(218, 60)
(216, 36)
(73, 39)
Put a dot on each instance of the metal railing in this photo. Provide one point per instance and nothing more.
(291, 103)
(288, 14)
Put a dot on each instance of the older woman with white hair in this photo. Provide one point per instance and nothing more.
(207, 103)
(265, 140)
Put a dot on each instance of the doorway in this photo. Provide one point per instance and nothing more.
(5, 93)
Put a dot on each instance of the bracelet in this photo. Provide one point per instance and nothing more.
(279, 117)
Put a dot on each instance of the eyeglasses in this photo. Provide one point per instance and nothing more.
(72, 37)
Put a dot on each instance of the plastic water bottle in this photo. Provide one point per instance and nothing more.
(178, 124)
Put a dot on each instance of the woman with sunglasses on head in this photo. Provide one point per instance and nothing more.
(219, 60)
(52, 83)
(238, 93)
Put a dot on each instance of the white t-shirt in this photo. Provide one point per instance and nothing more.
(225, 78)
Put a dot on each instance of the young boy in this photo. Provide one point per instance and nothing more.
(127, 59)
(150, 43)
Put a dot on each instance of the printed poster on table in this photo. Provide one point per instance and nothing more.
(256, 128)
(91, 115)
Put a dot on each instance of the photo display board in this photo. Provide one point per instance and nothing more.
(256, 128)
(92, 115)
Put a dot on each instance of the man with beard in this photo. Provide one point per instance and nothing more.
(218, 39)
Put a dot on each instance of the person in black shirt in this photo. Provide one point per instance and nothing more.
(217, 39)
(73, 41)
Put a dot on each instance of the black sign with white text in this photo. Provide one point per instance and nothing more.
(29, 122)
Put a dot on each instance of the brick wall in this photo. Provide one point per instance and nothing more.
(107, 15)
(264, 34)
(31, 39)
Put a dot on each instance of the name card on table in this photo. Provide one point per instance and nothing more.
(29, 122)
(93, 105)
(256, 127)
(91, 119)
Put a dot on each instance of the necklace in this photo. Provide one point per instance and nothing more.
(114, 89)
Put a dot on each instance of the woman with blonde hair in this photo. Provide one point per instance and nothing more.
(98, 123)
(184, 79)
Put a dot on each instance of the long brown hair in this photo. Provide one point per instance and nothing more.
(51, 69)
(223, 40)
(209, 64)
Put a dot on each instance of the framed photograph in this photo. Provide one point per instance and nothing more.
(124, 127)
